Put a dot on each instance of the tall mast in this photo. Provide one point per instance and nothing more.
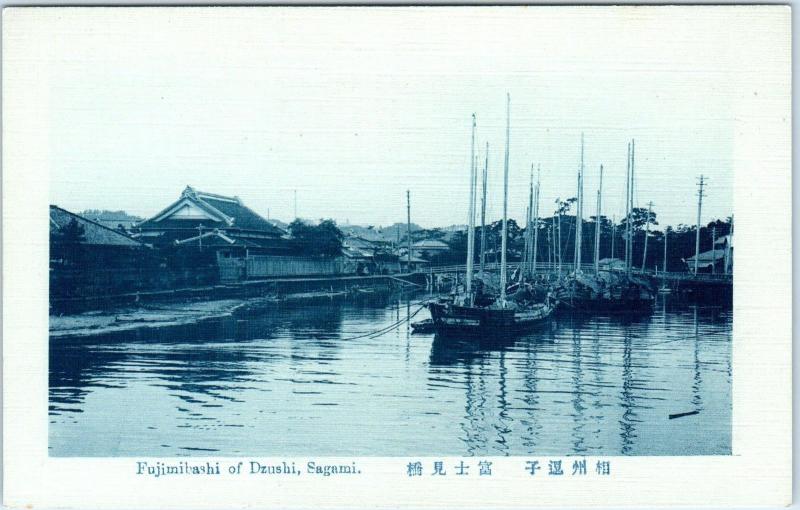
(699, 211)
(579, 215)
(505, 206)
(471, 222)
(408, 226)
(597, 224)
(626, 234)
(536, 220)
(646, 235)
(528, 229)
(558, 234)
(664, 267)
(633, 184)
(629, 200)
(526, 247)
(483, 209)
(613, 234)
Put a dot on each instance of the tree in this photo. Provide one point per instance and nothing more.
(71, 233)
(324, 239)
(564, 206)
(638, 219)
(66, 243)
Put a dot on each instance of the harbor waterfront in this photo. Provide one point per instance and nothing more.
(422, 256)
(294, 379)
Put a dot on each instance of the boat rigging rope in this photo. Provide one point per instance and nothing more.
(386, 329)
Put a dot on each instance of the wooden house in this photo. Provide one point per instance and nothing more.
(210, 221)
(87, 258)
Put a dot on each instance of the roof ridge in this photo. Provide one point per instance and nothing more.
(96, 223)
(215, 196)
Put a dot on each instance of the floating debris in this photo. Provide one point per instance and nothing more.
(681, 415)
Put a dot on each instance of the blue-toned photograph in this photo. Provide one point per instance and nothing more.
(335, 232)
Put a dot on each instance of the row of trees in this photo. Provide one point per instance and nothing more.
(323, 239)
(680, 240)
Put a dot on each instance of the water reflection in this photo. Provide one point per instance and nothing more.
(300, 380)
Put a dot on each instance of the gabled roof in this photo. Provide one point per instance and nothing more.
(217, 239)
(726, 239)
(612, 263)
(213, 211)
(430, 244)
(353, 241)
(707, 258)
(356, 253)
(93, 233)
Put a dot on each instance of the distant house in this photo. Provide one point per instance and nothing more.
(431, 250)
(369, 257)
(612, 264)
(708, 261)
(87, 258)
(725, 243)
(211, 221)
(415, 264)
(118, 220)
(430, 246)
(360, 255)
(70, 229)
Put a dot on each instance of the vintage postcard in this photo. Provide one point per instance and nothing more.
(442, 257)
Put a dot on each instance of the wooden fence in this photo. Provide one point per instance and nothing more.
(260, 266)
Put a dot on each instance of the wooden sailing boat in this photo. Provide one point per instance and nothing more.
(604, 290)
(476, 312)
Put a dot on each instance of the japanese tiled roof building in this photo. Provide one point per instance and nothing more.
(214, 220)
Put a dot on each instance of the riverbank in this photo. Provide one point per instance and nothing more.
(279, 288)
(127, 318)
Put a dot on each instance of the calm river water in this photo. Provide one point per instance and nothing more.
(303, 380)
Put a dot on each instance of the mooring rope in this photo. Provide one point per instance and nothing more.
(386, 329)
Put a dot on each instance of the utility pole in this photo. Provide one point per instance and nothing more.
(646, 235)
(483, 209)
(699, 212)
(471, 219)
(408, 226)
(597, 224)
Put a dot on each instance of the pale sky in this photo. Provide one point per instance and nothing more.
(353, 106)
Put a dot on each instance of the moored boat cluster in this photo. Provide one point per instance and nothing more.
(482, 307)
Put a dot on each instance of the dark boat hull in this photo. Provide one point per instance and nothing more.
(606, 293)
(452, 320)
(606, 305)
